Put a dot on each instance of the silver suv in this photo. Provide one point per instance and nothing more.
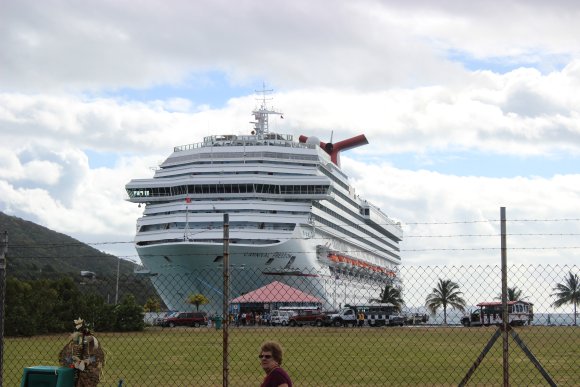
(281, 317)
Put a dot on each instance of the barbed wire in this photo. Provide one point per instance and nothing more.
(494, 221)
(54, 255)
(105, 243)
(450, 249)
(490, 235)
(324, 227)
(454, 222)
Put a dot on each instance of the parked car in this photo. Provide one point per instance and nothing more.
(307, 317)
(158, 321)
(190, 319)
(281, 317)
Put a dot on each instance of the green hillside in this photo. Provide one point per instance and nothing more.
(36, 252)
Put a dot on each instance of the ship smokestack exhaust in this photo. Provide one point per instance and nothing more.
(334, 149)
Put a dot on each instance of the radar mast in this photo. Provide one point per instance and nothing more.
(261, 114)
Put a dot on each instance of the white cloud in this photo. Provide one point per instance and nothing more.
(42, 172)
(437, 209)
(520, 31)
(365, 45)
(96, 202)
(28, 170)
(521, 112)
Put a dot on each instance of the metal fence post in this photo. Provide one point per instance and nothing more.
(226, 296)
(3, 251)
(505, 315)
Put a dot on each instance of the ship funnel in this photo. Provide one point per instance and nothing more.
(334, 149)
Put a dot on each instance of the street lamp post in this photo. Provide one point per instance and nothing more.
(117, 286)
(335, 296)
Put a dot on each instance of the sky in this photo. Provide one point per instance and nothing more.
(468, 107)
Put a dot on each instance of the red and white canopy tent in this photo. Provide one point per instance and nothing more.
(273, 296)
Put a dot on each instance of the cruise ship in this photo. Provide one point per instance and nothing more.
(293, 217)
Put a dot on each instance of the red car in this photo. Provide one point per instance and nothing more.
(307, 317)
(190, 319)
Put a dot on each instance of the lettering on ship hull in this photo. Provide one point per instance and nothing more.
(274, 255)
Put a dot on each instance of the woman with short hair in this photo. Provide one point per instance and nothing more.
(271, 361)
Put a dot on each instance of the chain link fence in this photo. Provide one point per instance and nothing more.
(427, 326)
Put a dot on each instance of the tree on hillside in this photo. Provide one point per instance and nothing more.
(197, 300)
(568, 293)
(513, 294)
(18, 309)
(392, 295)
(46, 306)
(129, 315)
(445, 294)
(97, 313)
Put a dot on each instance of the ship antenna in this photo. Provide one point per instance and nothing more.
(261, 114)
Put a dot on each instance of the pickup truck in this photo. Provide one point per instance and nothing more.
(416, 318)
(307, 317)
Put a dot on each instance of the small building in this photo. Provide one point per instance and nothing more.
(88, 274)
(272, 297)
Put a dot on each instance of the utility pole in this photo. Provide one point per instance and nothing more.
(3, 252)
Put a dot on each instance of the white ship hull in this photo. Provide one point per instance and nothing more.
(178, 270)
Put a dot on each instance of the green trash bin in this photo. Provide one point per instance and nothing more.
(48, 376)
(217, 320)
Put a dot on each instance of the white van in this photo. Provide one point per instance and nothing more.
(281, 317)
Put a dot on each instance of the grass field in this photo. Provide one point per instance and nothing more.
(410, 356)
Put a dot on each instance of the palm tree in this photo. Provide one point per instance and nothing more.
(391, 295)
(513, 294)
(568, 293)
(197, 300)
(446, 293)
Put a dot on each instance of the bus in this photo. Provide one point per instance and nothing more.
(490, 313)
